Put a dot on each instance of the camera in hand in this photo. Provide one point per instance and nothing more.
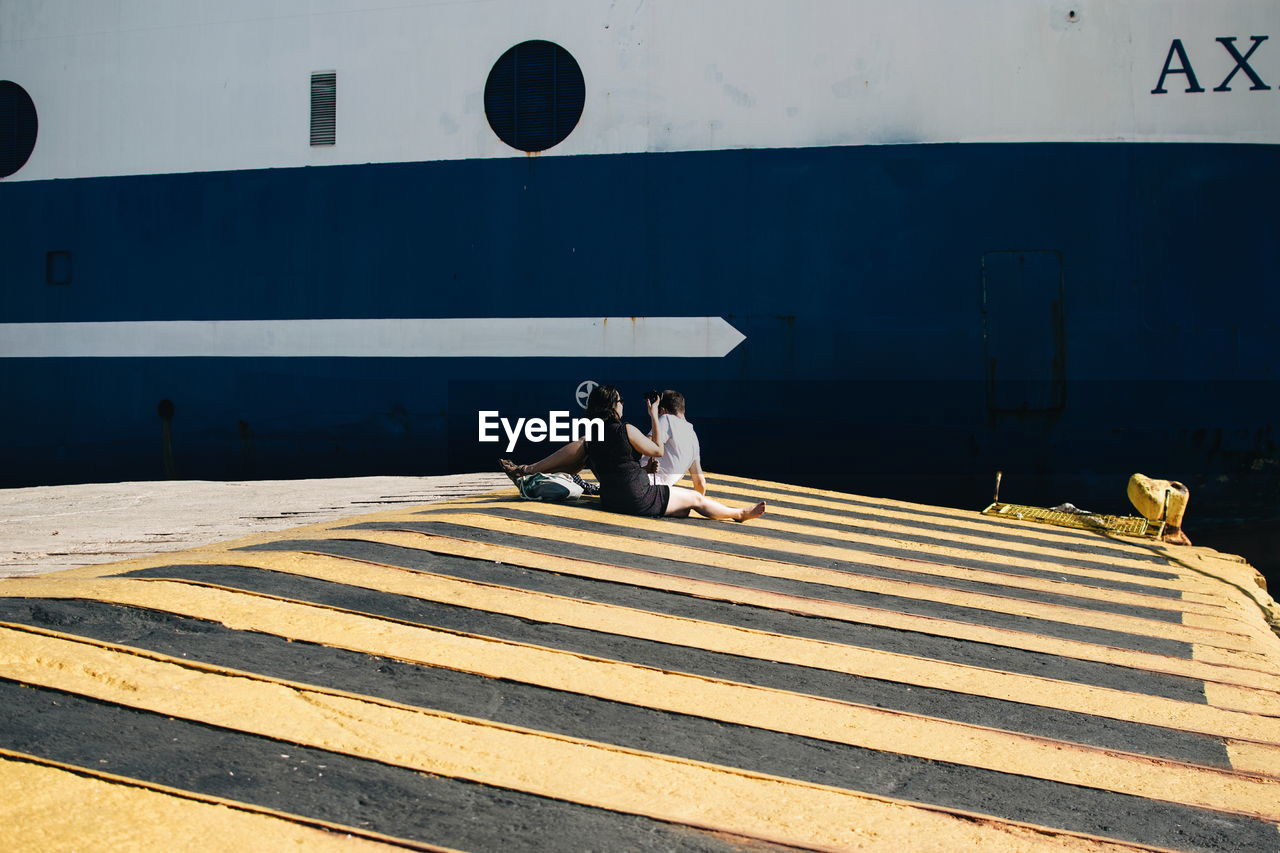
(651, 395)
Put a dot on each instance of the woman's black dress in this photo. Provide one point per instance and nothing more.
(624, 486)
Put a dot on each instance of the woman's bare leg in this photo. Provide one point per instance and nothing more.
(570, 459)
(682, 500)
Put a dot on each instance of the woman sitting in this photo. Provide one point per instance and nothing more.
(624, 485)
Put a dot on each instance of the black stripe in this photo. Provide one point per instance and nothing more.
(997, 526)
(1006, 534)
(907, 553)
(615, 546)
(893, 603)
(323, 785)
(676, 536)
(910, 554)
(138, 627)
(946, 784)
(691, 607)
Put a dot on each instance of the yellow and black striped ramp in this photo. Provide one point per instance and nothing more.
(492, 674)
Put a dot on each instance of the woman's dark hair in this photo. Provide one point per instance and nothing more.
(601, 402)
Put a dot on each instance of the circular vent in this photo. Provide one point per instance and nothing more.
(17, 127)
(534, 95)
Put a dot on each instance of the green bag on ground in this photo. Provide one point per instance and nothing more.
(548, 487)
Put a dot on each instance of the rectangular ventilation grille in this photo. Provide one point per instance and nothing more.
(324, 108)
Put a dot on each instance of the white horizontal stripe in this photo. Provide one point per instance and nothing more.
(485, 337)
(674, 75)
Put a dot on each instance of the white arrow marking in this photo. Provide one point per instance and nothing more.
(486, 337)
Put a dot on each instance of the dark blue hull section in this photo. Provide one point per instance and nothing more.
(896, 342)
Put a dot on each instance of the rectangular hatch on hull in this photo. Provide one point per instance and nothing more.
(1024, 331)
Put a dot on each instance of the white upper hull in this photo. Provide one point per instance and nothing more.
(152, 86)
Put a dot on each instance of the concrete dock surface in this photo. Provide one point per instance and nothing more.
(47, 528)
(486, 673)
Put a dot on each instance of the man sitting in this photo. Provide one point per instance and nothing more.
(681, 452)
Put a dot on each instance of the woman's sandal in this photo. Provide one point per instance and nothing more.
(512, 470)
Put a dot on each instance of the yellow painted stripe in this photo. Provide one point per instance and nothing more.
(1206, 577)
(1193, 586)
(1029, 555)
(968, 520)
(1225, 577)
(50, 807)
(1257, 661)
(260, 613)
(1241, 646)
(1233, 688)
(506, 497)
(973, 544)
(910, 508)
(861, 726)
(1260, 758)
(1242, 699)
(1205, 654)
(710, 556)
(798, 521)
(712, 531)
(1014, 606)
(834, 610)
(907, 511)
(1189, 601)
(566, 768)
(480, 503)
(1211, 588)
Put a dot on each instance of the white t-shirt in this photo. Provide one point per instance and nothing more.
(680, 450)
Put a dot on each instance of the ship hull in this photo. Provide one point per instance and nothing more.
(916, 316)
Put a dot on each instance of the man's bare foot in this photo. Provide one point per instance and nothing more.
(512, 470)
(754, 512)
